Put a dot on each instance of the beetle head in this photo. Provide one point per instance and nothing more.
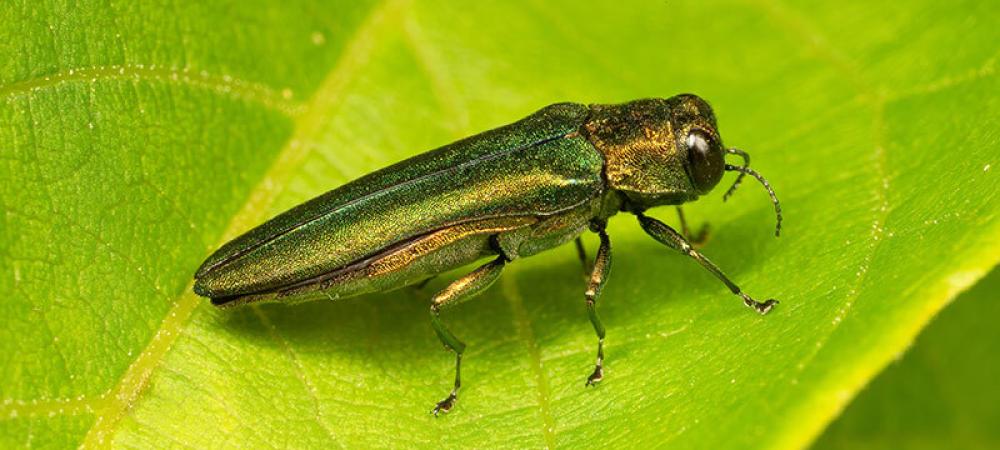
(665, 151)
(659, 151)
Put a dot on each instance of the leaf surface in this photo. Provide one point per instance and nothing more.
(940, 395)
(134, 140)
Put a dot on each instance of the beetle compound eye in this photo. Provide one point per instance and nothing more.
(706, 160)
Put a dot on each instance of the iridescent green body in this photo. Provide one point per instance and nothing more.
(506, 193)
(532, 169)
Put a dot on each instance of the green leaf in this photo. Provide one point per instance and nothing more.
(942, 394)
(134, 140)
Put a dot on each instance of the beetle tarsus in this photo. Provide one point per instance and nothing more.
(761, 307)
(444, 406)
(597, 376)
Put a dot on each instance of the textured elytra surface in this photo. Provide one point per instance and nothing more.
(524, 173)
(135, 140)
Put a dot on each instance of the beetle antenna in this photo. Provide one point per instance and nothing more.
(774, 198)
(739, 179)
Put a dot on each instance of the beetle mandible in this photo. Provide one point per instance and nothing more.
(504, 194)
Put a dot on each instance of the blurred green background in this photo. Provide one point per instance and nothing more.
(136, 137)
(941, 394)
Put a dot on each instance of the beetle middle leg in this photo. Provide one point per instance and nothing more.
(581, 252)
(423, 283)
(598, 276)
(666, 235)
(458, 291)
(696, 240)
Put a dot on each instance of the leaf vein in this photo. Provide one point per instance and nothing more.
(226, 85)
(317, 114)
(441, 83)
(815, 41)
(13, 408)
(300, 372)
(986, 70)
(523, 324)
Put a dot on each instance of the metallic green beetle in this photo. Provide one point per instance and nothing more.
(505, 194)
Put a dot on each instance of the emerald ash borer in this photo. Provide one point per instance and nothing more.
(503, 194)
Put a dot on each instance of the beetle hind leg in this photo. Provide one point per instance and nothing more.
(598, 275)
(458, 291)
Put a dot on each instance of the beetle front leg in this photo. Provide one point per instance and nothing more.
(458, 291)
(598, 275)
(666, 235)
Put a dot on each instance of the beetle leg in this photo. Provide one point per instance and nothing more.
(598, 275)
(424, 283)
(581, 252)
(668, 236)
(458, 291)
(697, 241)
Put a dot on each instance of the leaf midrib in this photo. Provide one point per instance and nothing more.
(872, 94)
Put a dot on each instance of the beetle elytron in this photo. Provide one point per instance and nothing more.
(503, 194)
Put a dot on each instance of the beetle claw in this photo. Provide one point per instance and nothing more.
(445, 405)
(596, 377)
(760, 307)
